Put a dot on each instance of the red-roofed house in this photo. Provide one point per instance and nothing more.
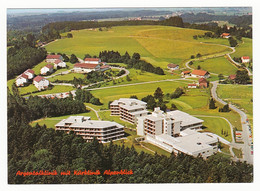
(232, 76)
(192, 85)
(203, 83)
(104, 67)
(185, 73)
(21, 80)
(225, 35)
(59, 63)
(29, 73)
(47, 68)
(245, 59)
(53, 58)
(200, 74)
(92, 60)
(85, 68)
(173, 66)
(40, 82)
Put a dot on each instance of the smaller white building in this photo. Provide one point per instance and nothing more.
(59, 63)
(53, 58)
(192, 86)
(245, 59)
(21, 80)
(85, 68)
(47, 68)
(29, 73)
(92, 60)
(41, 83)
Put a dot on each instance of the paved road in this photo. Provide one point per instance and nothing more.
(247, 156)
(96, 112)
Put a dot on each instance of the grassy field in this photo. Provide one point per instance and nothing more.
(69, 76)
(140, 90)
(55, 89)
(239, 95)
(156, 42)
(216, 125)
(238, 152)
(50, 122)
(218, 65)
(244, 49)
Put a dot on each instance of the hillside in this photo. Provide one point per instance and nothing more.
(161, 43)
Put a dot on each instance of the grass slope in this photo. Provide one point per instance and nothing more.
(218, 65)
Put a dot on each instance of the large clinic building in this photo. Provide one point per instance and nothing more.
(175, 131)
(104, 131)
(128, 109)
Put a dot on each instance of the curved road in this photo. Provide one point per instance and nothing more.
(247, 156)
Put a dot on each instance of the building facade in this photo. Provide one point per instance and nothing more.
(92, 60)
(128, 109)
(47, 68)
(41, 83)
(103, 131)
(85, 68)
(53, 58)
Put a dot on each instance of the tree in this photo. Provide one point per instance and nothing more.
(69, 35)
(221, 77)
(173, 107)
(158, 94)
(177, 93)
(134, 97)
(242, 77)
(73, 59)
(198, 67)
(136, 56)
(192, 56)
(127, 77)
(212, 104)
(232, 42)
(198, 55)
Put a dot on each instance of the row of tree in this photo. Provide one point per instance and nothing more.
(86, 97)
(132, 62)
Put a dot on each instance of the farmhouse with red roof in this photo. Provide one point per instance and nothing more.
(53, 58)
(200, 74)
(225, 35)
(245, 59)
(203, 83)
(232, 76)
(85, 68)
(92, 60)
(59, 63)
(173, 66)
(47, 68)
(185, 73)
(21, 80)
(40, 82)
(29, 73)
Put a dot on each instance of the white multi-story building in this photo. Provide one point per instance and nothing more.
(175, 131)
(104, 131)
(21, 80)
(29, 73)
(46, 69)
(128, 109)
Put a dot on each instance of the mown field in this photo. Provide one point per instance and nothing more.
(218, 65)
(161, 43)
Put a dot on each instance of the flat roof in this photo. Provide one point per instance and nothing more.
(195, 142)
(131, 101)
(186, 118)
(88, 123)
(132, 107)
(139, 112)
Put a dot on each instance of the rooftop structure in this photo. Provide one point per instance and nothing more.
(200, 73)
(128, 109)
(92, 60)
(85, 67)
(104, 131)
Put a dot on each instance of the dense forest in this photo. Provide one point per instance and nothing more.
(23, 55)
(38, 148)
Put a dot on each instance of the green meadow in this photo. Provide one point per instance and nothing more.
(218, 65)
(244, 49)
(239, 95)
(161, 43)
